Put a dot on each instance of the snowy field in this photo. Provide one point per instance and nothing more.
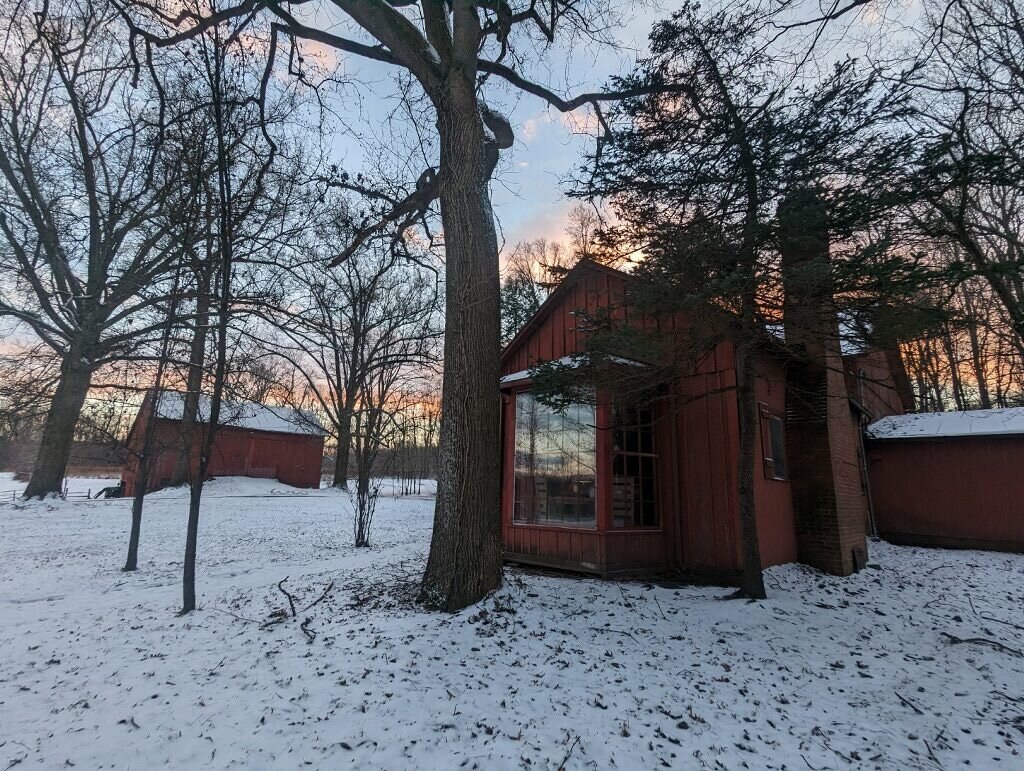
(96, 671)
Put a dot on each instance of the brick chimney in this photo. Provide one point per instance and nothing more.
(822, 433)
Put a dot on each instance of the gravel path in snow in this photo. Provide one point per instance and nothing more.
(96, 671)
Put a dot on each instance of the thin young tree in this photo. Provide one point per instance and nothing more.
(241, 166)
(148, 446)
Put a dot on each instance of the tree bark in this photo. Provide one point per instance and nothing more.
(752, 581)
(149, 435)
(59, 430)
(194, 383)
(341, 459)
(465, 551)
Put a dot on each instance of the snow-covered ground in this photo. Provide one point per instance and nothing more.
(551, 672)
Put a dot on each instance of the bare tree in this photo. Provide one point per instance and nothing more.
(91, 200)
(971, 173)
(373, 316)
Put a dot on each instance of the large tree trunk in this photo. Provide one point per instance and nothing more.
(59, 430)
(752, 581)
(465, 551)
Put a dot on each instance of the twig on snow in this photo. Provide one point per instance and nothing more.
(615, 631)
(1014, 699)
(285, 592)
(561, 766)
(953, 639)
(320, 598)
(235, 615)
(931, 754)
(1000, 621)
(659, 607)
(909, 703)
(310, 634)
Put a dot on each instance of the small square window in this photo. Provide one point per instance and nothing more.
(773, 445)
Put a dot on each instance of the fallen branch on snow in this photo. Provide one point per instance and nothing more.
(954, 640)
(909, 703)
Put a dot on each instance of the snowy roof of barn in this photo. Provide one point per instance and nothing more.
(244, 414)
(926, 425)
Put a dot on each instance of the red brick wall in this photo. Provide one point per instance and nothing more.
(830, 509)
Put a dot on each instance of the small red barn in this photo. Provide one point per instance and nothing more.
(253, 440)
(950, 478)
(619, 488)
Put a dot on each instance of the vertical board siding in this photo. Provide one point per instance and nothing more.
(966, 491)
(293, 459)
(697, 449)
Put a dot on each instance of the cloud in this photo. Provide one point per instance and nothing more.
(582, 121)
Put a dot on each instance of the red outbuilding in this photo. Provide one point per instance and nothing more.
(613, 488)
(950, 478)
(253, 440)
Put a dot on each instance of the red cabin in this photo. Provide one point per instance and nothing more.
(252, 440)
(615, 488)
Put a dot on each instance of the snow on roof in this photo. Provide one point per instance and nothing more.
(573, 360)
(243, 414)
(933, 424)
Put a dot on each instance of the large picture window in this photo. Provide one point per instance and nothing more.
(634, 493)
(555, 462)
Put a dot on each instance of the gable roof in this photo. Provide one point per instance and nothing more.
(929, 425)
(238, 413)
(552, 301)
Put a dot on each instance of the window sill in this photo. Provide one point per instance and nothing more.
(556, 526)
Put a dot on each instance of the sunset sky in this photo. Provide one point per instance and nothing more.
(529, 186)
(528, 196)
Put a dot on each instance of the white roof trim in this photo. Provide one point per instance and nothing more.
(935, 424)
(573, 360)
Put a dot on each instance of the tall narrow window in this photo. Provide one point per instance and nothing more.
(634, 461)
(773, 445)
(555, 462)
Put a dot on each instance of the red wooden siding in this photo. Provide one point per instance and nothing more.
(696, 433)
(294, 459)
(875, 389)
(555, 334)
(950, 491)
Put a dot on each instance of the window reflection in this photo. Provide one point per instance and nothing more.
(634, 493)
(556, 455)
